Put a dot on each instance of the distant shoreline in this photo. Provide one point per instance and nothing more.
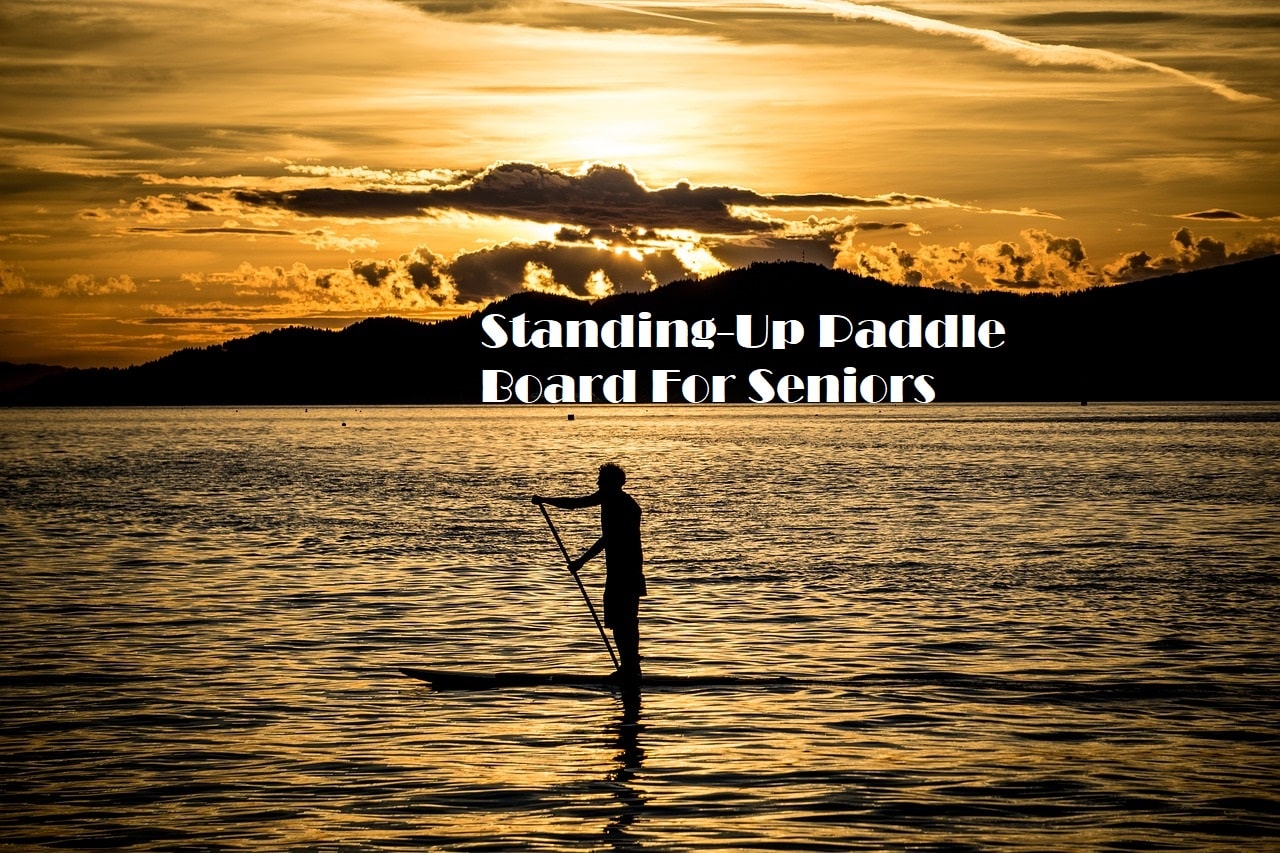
(1198, 336)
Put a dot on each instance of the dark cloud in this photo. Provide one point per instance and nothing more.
(34, 27)
(1008, 265)
(42, 137)
(461, 8)
(1217, 213)
(424, 269)
(1242, 20)
(222, 229)
(1137, 17)
(16, 180)
(601, 197)
(601, 17)
(813, 240)
(1067, 249)
(569, 234)
(883, 226)
(420, 271)
(816, 249)
(1092, 19)
(501, 270)
(373, 272)
(333, 202)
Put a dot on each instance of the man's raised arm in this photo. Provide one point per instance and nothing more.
(570, 503)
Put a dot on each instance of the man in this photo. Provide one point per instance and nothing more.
(624, 560)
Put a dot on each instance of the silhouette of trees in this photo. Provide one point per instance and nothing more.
(1196, 336)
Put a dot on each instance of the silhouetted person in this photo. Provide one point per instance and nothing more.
(624, 561)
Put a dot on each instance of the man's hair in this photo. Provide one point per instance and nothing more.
(611, 473)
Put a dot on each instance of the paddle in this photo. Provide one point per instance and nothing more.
(569, 560)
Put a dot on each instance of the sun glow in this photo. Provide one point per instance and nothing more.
(161, 191)
(620, 140)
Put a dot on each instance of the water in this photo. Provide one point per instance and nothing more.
(1056, 625)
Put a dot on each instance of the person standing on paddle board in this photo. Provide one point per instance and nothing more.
(624, 560)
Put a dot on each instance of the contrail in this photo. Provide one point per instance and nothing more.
(1030, 52)
(626, 8)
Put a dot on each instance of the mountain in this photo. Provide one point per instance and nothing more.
(15, 376)
(1201, 335)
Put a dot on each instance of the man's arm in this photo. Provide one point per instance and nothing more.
(577, 503)
(571, 503)
(575, 566)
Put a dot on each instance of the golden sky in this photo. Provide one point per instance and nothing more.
(178, 173)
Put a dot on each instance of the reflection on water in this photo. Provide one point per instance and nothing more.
(1053, 628)
(630, 761)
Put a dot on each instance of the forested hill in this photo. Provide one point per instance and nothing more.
(1204, 335)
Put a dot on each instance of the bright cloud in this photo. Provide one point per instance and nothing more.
(1039, 261)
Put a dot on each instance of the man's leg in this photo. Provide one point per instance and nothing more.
(626, 635)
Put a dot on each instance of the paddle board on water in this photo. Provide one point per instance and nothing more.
(441, 679)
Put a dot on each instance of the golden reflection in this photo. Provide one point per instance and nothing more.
(630, 760)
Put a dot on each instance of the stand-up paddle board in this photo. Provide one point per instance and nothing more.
(441, 679)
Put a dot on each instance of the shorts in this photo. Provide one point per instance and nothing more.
(621, 609)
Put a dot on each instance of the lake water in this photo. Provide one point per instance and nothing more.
(1048, 628)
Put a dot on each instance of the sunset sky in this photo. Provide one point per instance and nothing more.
(179, 173)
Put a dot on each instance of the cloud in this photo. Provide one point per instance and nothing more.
(1047, 262)
(324, 239)
(169, 215)
(364, 176)
(14, 283)
(423, 282)
(1039, 261)
(616, 235)
(1189, 253)
(409, 285)
(927, 266)
(88, 285)
(576, 266)
(222, 229)
(540, 278)
(421, 271)
(1203, 18)
(1029, 52)
(638, 11)
(579, 263)
(1217, 214)
(461, 7)
(604, 210)
(597, 196)
(1093, 19)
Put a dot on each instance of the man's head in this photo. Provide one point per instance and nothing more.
(611, 476)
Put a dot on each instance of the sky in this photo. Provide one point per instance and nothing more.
(176, 174)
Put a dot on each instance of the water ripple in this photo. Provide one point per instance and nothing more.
(1016, 628)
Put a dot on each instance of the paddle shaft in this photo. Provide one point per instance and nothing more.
(582, 589)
